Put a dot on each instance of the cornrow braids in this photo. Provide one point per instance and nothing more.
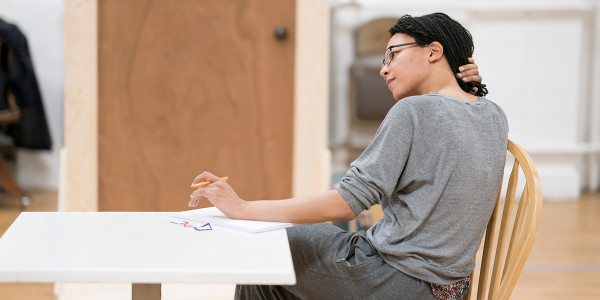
(456, 40)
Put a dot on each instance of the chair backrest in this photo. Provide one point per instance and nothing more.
(511, 247)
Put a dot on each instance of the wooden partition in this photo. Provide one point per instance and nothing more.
(187, 86)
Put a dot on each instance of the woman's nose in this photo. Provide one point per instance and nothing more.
(385, 71)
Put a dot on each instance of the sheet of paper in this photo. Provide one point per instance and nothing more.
(217, 218)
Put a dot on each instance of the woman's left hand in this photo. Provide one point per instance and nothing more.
(469, 72)
(219, 193)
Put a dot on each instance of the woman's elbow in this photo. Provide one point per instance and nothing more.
(346, 214)
(341, 209)
(349, 216)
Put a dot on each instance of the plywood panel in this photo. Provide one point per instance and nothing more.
(312, 158)
(187, 86)
(79, 156)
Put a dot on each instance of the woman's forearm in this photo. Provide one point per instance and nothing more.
(321, 207)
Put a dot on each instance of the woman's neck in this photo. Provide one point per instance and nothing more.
(445, 83)
(457, 93)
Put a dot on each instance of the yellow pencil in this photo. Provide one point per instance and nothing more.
(203, 183)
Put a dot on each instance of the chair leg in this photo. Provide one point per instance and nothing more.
(24, 201)
(11, 186)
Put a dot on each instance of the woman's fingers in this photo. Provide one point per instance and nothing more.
(205, 176)
(470, 72)
(202, 190)
(194, 202)
(218, 192)
(194, 199)
(214, 192)
(472, 78)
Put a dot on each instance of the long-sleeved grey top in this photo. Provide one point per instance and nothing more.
(435, 166)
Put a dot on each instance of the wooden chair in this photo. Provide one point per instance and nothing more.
(509, 261)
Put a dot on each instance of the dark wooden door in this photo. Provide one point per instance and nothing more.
(187, 86)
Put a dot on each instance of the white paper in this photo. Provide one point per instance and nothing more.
(216, 218)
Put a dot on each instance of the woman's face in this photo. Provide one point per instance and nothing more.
(407, 66)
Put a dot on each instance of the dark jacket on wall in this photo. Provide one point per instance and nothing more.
(18, 77)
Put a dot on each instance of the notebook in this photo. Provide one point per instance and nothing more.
(216, 218)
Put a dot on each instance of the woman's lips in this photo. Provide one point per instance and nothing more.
(389, 80)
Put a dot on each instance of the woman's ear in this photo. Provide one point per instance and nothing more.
(436, 51)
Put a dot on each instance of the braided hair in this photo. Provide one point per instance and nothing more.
(456, 40)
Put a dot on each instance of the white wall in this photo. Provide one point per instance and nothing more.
(540, 62)
(531, 51)
(42, 23)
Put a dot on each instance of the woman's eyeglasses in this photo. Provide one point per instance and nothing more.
(389, 55)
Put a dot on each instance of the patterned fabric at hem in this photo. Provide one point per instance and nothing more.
(453, 291)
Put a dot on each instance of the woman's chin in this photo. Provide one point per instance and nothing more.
(399, 96)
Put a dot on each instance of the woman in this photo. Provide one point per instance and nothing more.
(434, 165)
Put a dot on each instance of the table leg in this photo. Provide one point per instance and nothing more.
(143, 291)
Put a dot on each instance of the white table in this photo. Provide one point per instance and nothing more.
(138, 247)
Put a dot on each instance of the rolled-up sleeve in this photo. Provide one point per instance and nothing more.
(375, 174)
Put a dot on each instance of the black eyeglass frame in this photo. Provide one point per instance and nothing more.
(383, 63)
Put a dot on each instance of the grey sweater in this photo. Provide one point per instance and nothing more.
(435, 166)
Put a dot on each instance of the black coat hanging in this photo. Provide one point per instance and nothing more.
(17, 77)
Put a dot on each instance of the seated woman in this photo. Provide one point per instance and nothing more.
(435, 166)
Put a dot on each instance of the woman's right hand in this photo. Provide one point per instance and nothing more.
(219, 193)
